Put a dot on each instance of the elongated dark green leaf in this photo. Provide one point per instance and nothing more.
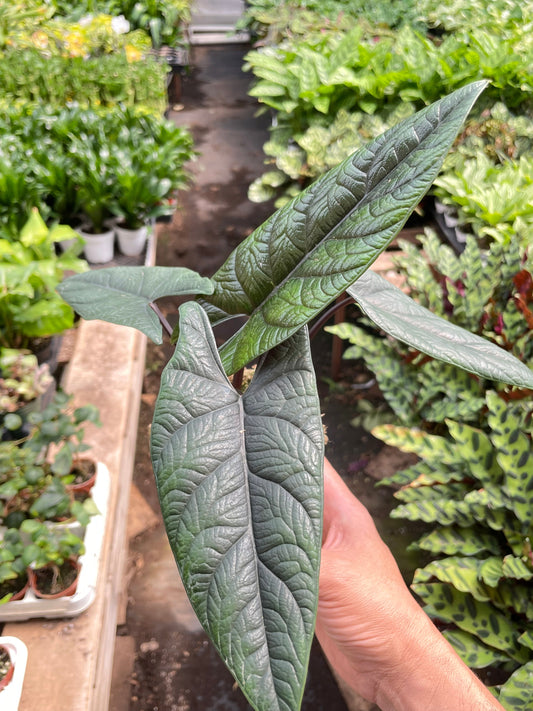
(397, 314)
(123, 295)
(239, 480)
(311, 250)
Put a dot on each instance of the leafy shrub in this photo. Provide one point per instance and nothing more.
(163, 20)
(274, 19)
(493, 201)
(28, 76)
(475, 489)
(49, 154)
(30, 270)
(453, 15)
(489, 293)
(19, 18)
(474, 479)
(310, 79)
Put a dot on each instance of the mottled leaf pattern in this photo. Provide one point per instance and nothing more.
(310, 251)
(412, 440)
(517, 568)
(455, 540)
(239, 480)
(122, 295)
(515, 456)
(526, 639)
(445, 603)
(462, 573)
(477, 450)
(472, 651)
(517, 692)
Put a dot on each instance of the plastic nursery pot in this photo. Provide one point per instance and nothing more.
(46, 584)
(16, 588)
(7, 667)
(99, 248)
(85, 477)
(11, 691)
(131, 242)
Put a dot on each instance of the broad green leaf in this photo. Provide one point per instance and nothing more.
(454, 540)
(510, 595)
(492, 627)
(462, 573)
(516, 568)
(526, 639)
(123, 295)
(239, 480)
(427, 446)
(401, 317)
(445, 512)
(517, 692)
(473, 652)
(491, 570)
(311, 250)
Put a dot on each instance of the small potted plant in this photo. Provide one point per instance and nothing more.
(31, 310)
(13, 569)
(23, 385)
(95, 177)
(139, 200)
(13, 659)
(52, 557)
(58, 437)
(7, 668)
(43, 475)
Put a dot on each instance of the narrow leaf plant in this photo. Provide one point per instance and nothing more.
(239, 474)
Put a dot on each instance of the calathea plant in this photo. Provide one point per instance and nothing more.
(239, 475)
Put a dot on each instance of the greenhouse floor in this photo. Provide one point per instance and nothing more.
(163, 660)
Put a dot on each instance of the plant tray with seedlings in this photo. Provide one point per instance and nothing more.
(18, 654)
(72, 605)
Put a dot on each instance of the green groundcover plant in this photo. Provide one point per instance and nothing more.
(239, 474)
(315, 73)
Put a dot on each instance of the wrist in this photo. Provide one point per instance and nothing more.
(428, 674)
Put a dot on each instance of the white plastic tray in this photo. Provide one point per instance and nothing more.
(10, 696)
(32, 606)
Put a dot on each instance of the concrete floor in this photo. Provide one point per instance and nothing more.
(164, 661)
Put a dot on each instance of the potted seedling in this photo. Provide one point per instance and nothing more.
(13, 659)
(139, 200)
(52, 559)
(13, 574)
(22, 480)
(95, 178)
(239, 474)
(58, 437)
(148, 175)
(23, 385)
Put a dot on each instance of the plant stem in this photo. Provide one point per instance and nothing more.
(315, 328)
(237, 379)
(168, 328)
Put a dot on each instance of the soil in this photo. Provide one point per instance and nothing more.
(53, 580)
(6, 667)
(176, 668)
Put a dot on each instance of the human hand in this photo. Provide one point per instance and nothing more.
(370, 627)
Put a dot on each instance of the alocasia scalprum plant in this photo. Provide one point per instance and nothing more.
(239, 475)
